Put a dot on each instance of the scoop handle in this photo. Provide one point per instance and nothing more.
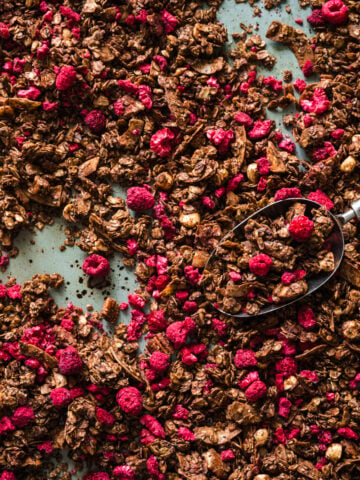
(353, 212)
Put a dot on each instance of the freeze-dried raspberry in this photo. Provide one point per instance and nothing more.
(180, 412)
(124, 472)
(255, 391)
(234, 182)
(105, 417)
(348, 433)
(308, 120)
(159, 361)
(43, 51)
(248, 379)
(316, 18)
(213, 82)
(287, 366)
(300, 85)
(321, 197)
(31, 93)
(49, 106)
(243, 119)
(235, 276)
(192, 275)
(130, 400)
(274, 84)
(290, 277)
(221, 138)
(335, 12)
(6, 425)
(287, 145)
(7, 475)
(60, 397)
(301, 228)
(97, 476)
(153, 425)
(4, 31)
(245, 358)
(161, 61)
(96, 266)
(219, 326)
(22, 416)
(95, 120)
(260, 129)
(170, 22)
(177, 332)
(136, 301)
(119, 108)
(260, 264)
(263, 165)
(144, 94)
(306, 317)
(153, 468)
(142, 16)
(69, 14)
(66, 77)
(308, 68)
(227, 455)
(338, 133)
(69, 361)
(186, 434)
(157, 321)
(309, 375)
(128, 87)
(284, 193)
(14, 292)
(162, 142)
(139, 199)
(284, 407)
(318, 104)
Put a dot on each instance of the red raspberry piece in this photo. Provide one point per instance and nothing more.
(153, 468)
(245, 358)
(318, 104)
(22, 416)
(248, 379)
(338, 133)
(263, 165)
(284, 407)
(144, 94)
(287, 145)
(306, 318)
(4, 31)
(180, 413)
(6, 425)
(157, 321)
(348, 433)
(260, 264)
(119, 108)
(177, 332)
(221, 138)
(162, 142)
(153, 425)
(227, 455)
(69, 361)
(321, 197)
(243, 119)
(309, 375)
(130, 400)
(186, 434)
(161, 61)
(316, 18)
(60, 397)
(96, 266)
(95, 120)
(301, 228)
(159, 361)
(335, 12)
(234, 182)
(97, 476)
(31, 93)
(308, 68)
(124, 472)
(284, 193)
(192, 275)
(104, 417)
(274, 84)
(170, 22)
(139, 198)
(255, 391)
(287, 366)
(300, 85)
(43, 51)
(6, 475)
(260, 129)
(66, 77)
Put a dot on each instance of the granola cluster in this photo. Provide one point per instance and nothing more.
(141, 94)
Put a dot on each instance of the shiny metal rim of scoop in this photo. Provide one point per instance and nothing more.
(336, 239)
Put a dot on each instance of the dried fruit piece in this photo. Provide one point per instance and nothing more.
(96, 266)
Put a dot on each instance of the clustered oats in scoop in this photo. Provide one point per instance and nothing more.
(142, 94)
(270, 260)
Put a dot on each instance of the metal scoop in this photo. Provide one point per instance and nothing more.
(336, 241)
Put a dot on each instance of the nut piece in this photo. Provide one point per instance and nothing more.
(164, 181)
(110, 310)
(348, 165)
(252, 173)
(351, 329)
(290, 383)
(261, 436)
(189, 220)
(262, 476)
(334, 452)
